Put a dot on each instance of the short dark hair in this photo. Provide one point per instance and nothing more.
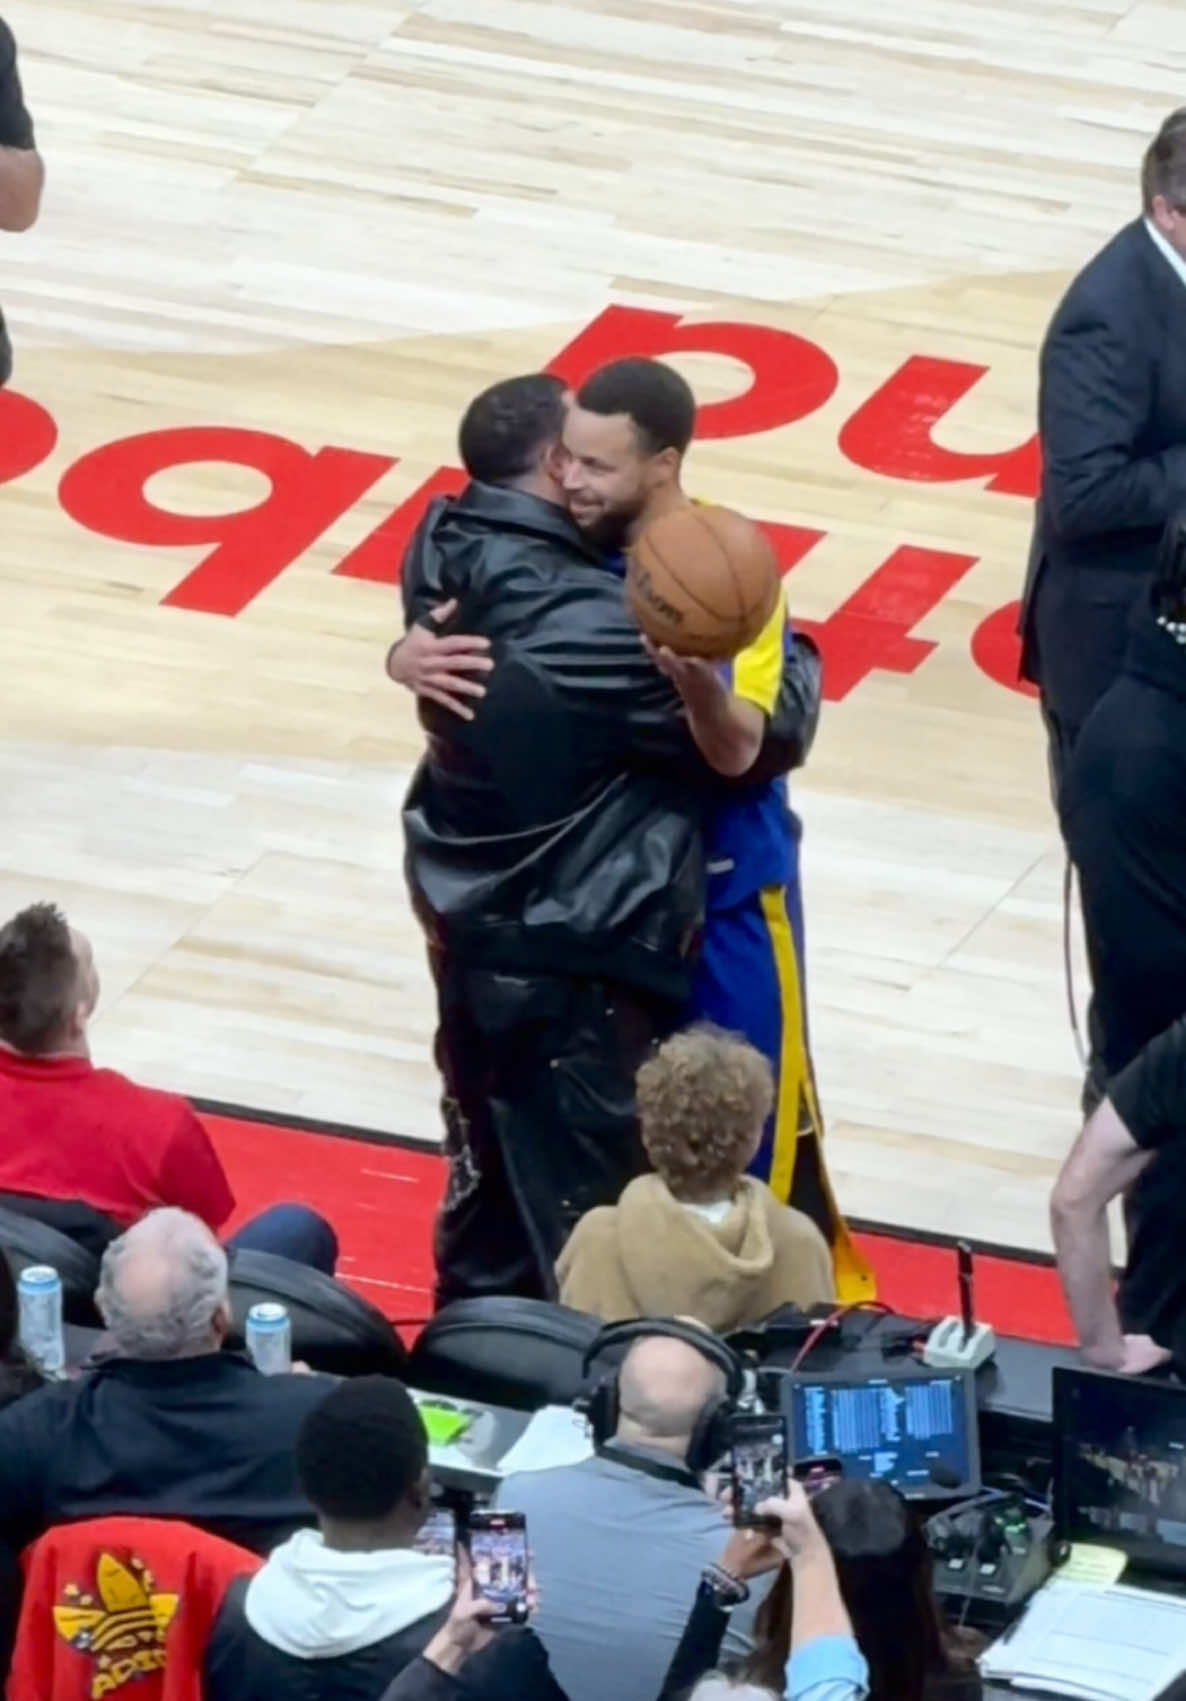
(1163, 170)
(505, 428)
(362, 1450)
(659, 402)
(38, 978)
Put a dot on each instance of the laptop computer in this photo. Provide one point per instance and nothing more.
(1120, 1471)
(912, 1427)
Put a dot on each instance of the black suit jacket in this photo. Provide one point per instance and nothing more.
(1112, 415)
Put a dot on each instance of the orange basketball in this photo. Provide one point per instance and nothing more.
(703, 581)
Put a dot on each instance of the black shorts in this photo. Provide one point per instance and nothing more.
(1149, 1095)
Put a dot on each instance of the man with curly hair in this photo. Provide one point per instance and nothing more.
(700, 1237)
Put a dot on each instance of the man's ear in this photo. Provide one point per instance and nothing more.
(554, 461)
(420, 1493)
(222, 1321)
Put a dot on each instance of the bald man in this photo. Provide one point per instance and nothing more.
(171, 1428)
(623, 1537)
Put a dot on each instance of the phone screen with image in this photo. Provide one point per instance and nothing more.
(758, 1462)
(497, 1543)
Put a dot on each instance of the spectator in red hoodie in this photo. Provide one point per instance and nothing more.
(72, 1134)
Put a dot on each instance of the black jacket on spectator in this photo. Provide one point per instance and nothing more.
(1112, 413)
(513, 1668)
(558, 832)
(241, 1666)
(206, 1439)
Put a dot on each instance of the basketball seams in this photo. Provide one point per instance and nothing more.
(726, 633)
(713, 613)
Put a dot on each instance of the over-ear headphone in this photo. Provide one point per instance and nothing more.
(710, 1435)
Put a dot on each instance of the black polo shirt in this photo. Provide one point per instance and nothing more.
(16, 131)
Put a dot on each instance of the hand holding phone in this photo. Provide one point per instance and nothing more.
(501, 1563)
(758, 1462)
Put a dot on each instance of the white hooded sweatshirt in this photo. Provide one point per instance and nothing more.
(317, 1603)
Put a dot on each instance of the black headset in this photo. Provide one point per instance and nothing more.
(710, 1435)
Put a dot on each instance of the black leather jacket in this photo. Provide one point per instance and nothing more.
(559, 831)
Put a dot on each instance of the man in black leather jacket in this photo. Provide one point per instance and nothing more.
(553, 857)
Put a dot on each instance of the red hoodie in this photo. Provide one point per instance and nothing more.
(120, 1606)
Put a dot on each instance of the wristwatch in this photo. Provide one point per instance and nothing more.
(721, 1588)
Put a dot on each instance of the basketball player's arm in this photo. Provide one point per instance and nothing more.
(1104, 1161)
(728, 710)
(727, 729)
(22, 173)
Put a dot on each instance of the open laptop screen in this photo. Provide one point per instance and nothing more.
(1120, 1465)
(916, 1430)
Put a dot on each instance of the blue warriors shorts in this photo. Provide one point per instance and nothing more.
(750, 981)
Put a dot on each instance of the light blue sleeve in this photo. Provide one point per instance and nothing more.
(832, 1668)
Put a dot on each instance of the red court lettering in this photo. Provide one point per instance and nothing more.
(871, 630)
(893, 432)
(105, 491)
(27, 435)
(379, 557)
(790, 376)
(996, 650)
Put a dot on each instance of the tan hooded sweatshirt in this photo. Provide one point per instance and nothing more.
(649, 1256)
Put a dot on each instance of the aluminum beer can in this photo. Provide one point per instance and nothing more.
(269, 1339)
(39, 1295)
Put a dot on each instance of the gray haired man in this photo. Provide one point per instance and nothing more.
(172, 1427)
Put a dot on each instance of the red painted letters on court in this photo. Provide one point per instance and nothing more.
(27, 435)
(790, 377)
(893, 432)
(996, 649)
(105, 491)
(379, 556)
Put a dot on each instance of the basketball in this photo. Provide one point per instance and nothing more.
(702, 581)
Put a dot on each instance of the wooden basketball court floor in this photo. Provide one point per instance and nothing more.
(283, 243)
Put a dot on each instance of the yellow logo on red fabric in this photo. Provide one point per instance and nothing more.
(123, 1629)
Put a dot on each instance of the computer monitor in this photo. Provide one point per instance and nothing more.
(1120, 1466)
(915, 1429)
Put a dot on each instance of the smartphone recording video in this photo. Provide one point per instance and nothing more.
(497, 1543)
(758, 1462)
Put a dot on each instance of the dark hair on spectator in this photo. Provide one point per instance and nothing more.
(659, 402)
(362, 1450)
(1169, 573)
(885, 1572)
(1163, 170)
(505, 428)
(38, 978)
(18, 1375)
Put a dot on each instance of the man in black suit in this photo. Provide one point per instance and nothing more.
(21, 171)
(1112, 414)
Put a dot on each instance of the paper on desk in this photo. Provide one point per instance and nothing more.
(1091, 1566)
(555, 1436)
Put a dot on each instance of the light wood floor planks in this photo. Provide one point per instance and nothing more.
(333, 221)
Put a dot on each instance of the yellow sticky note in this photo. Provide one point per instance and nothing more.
(1096, 1567)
